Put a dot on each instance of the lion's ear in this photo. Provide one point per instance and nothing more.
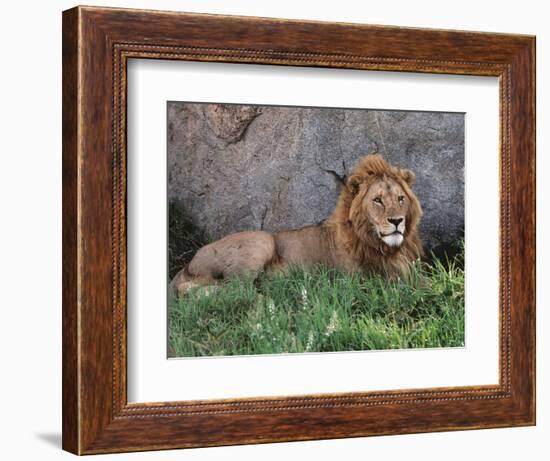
(408, 176)
(353, 183)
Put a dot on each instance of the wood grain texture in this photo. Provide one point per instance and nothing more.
(97, 43)
(70, 384)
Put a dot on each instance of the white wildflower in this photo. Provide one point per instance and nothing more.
(271, 308)
(332, 325)
(304, 298)
(310, 340)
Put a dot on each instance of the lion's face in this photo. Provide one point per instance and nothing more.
(383, 209)
(386, 204)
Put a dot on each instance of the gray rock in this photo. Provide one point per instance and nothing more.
(235, 167)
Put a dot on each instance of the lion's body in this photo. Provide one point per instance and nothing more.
(374, 228)
(308, 246)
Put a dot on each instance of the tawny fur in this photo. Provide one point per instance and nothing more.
(350, 239)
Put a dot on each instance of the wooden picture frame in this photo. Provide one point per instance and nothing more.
(97, 43)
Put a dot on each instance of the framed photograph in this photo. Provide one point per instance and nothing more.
(282, 230)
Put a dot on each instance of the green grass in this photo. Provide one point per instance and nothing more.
(320, 311)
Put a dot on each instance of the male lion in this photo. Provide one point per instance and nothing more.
(374, 228)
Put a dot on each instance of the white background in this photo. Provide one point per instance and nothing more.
(153, 378)
(30, 235)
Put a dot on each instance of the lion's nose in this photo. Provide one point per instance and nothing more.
(395, 221)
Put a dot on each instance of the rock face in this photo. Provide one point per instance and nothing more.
(237, 167)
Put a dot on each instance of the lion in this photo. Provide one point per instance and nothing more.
(373, 229)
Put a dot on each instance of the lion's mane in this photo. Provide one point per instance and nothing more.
(350, 224)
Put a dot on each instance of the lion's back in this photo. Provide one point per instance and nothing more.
(308, 246)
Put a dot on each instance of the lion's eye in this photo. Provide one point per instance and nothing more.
(401, 199)
(377, 200)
